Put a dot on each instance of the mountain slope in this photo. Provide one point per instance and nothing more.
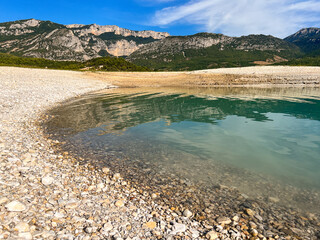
(156, 50)
(206, 50)
(45, 39)
(308, 39)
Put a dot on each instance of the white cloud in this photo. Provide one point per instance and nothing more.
(241, 17)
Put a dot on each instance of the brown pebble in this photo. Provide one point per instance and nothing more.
(151, 225)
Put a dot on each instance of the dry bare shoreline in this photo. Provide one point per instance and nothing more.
(45, 194)
(264, 76)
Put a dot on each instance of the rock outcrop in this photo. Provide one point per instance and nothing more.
(83, 30)
(208, 50)
(45, 39)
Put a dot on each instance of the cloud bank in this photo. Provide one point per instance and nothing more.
(242, 17)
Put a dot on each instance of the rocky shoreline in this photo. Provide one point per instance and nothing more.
(47, 194)
(208, 204)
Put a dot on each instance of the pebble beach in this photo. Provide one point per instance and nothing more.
(47, 194)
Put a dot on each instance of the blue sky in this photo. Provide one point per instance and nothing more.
(231, 17)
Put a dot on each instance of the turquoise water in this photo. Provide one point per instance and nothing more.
(265, 143)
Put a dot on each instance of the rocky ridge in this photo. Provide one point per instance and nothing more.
(82, 30)
(176, 44)
(308, 39)
(45, 39)
(156, 50)
(304, 33)
(208, 50)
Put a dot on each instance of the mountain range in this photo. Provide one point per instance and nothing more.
(155, 50)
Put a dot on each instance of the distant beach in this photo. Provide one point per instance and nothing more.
(260, 76)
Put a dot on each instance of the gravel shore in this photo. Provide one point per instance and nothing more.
(46, 194)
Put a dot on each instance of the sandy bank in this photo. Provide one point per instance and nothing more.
(263, 76)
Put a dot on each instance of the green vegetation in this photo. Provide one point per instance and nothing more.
(112, 64)
(186, 52)
(310, 47)
(305, 61)
(102, 64)
(203, 58)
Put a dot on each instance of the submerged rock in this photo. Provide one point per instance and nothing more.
(273, 199)
(223, 220)
(250, 212)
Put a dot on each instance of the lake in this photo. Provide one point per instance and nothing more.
(262, 142)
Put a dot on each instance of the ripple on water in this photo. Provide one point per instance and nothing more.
(261, 143)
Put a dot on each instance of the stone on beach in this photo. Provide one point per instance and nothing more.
(212, 235)
(22, 227)
(3, 200)
(25, 236)
(107, 227)
(178, 228)
(151, 225)
(26, 158)
(47, 180)
(119, 203)
(236, 218)
(16, 206)
(116, 176)
(187, 213)
(71, 205)
(254, 232)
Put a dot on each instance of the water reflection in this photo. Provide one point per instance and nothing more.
(124, 108)
(265, 142)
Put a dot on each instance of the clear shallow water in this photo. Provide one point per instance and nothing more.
(264, 142)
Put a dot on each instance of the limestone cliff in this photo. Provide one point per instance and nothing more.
(72, 42)
(97, 30)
